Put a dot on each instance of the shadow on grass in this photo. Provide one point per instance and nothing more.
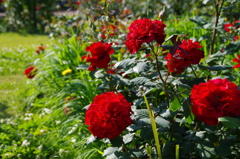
(3, 110)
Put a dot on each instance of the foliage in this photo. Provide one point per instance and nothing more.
(28, 16)
(163, 123)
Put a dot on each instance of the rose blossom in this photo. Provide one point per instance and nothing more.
(30, 71)
(215, 98)
(238, 61)
(108, 115)
(99, 55)
(228, 27)
(181, 59)
(144, 31)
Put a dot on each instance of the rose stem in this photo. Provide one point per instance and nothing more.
(218, 11)
(194, 71)
(160, 76)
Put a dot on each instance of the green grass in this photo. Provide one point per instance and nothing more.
(13, 40)
(16, 53)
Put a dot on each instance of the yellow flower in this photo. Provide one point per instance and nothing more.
(66, 71)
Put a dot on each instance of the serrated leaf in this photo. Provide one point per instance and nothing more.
(224, 147)
(135, 153)
(229, 122)
(82, 67)
(146, 133)
(161, 122)
(232, 47)
(90, 139)
(175, 104)
(199, 136)
(140, 67)
(117, 141)
(109, 151)
(189, 117)
(150, 84)
(99, 74)
(167, 148)
(128, 138)
(206, 151)
(139, 80)
(124, 64)
(145, 121)
(142, 113)
(188, 147)
(216, 68)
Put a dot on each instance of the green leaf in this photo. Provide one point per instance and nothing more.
(229, 122)
(142, 113)
(216, 68)
(99, 74)
(146, 133)
(188, 147)
(232, 47)
(175, 104)
(90, 140)
(199, 136)
(128, 138)
(135, 153)
(206, 150)
(189, 117)
(167, 149)
(117, 141)
(140, 67)
(109, 151)
(161, 122)
(139, 80)
(224, 147)
(124, 64)
(82, 67)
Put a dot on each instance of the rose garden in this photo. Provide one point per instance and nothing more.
(121, 79)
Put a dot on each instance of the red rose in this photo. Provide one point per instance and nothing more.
(99, 55)
(181, 59)
(144, 31)
(30, 71)
(214, 99)
(77, 3)
(228, 27)
(236, 38)
(108, 115)
(238, 61)
(40, 49)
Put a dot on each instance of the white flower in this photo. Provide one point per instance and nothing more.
(25, 143)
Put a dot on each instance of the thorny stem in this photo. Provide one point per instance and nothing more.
(159, 74)
(194, 71)
(218, 11)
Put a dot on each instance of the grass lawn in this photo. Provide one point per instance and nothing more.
(16, 53)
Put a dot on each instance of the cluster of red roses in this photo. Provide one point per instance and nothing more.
(109, 114)
(146, 31)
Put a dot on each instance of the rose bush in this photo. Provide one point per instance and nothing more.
(215, 98)
(99, 55)
(108, 115)
(144, 31)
